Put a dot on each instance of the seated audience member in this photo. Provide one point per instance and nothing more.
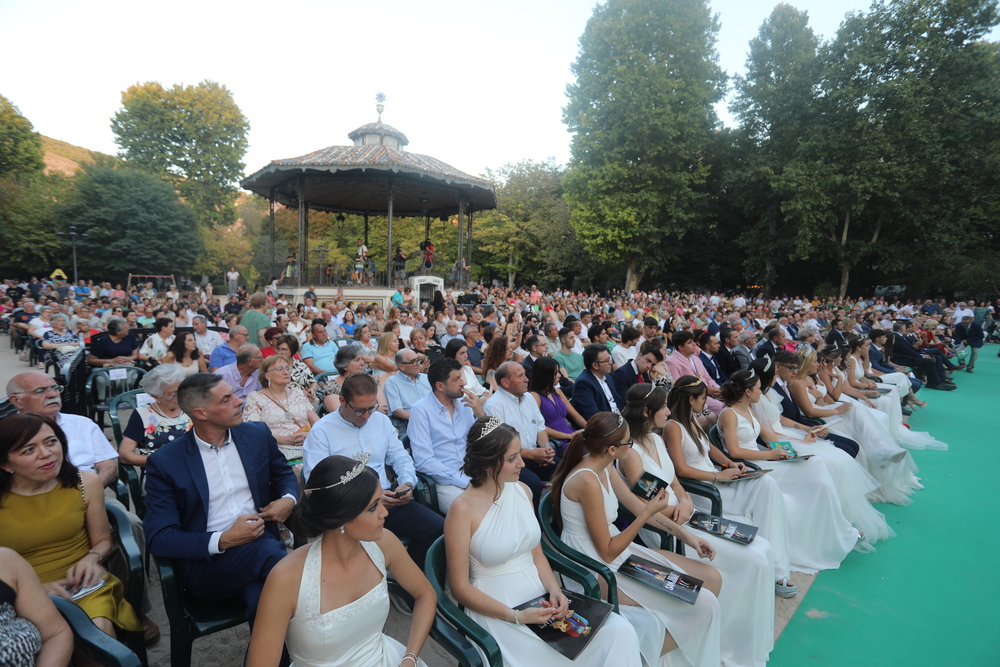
(709, 354)
(341, 508)
(537, 347)
(774, 340)
(555, 408)
(551, 332)
(744, 352)
(497, 353)
(269, 335)
(32, 631)
(970, 333)
(119, 348)
(594, 392)
(730, 340)
(207, 340)
(628, 349)
(61, 341)
(685, 361)
(287, 346)
(358, 426)
(835, 337)
(457, 349)
(225, 354)
(155, 424)
(184, 353)
(406, 387)
(904, 353)
(878, 355)
(156, 344)
(243, 375)
(53, 515)
(349, 360)
(451, 333)
(636, 370)
(283, 407)
(439, 424)
(206, 509)
(514, 406)
(82, 327)
(418, 343)
(570, 360)
(319, 352)
(388, 346)
(472, 338)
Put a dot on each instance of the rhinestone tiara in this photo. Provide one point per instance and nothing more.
(361, 458)
(492, 424)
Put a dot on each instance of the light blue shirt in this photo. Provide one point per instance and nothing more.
(334, 435)
(231, 374)
(322, 355)
(438, 439)
(402, 393)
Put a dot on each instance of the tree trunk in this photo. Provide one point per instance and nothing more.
(511, 271)
(634, 275)
(845, 275)
(772, 229)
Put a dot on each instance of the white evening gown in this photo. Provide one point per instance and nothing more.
(758, 502)
(747, 574)
(349, 636)
(853, 482)
(891, 465)
(501, 566)
(890, 405)
(695, 628)
(820, 537)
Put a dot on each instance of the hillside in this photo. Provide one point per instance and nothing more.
(67, 158)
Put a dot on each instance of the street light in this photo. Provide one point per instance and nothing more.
(73, 236)
(320, 251)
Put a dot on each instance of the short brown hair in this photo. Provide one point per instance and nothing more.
(266, 366)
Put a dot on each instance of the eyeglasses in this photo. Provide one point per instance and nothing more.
(791, 368)
(604, 361)
(419, 361)
(41, 391)
(282, 369)
(628, 443)
(363, 411)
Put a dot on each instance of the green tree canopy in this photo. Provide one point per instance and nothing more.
(20, 146)
(641, 112)
(29, 220)
(135, 223)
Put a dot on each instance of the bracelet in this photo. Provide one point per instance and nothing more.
(409, 656)
(99, 556)
(716, 477)
(516, 622)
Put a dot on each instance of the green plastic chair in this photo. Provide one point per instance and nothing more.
(125, 561)
(101, 648)
(456, 632)
(425, 492)
(716, 437)
(192, 618)
(546, 517)
(127, 474)
(101, 389)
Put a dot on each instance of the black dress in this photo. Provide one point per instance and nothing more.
(20, 640)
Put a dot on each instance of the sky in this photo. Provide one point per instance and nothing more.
(475, 84)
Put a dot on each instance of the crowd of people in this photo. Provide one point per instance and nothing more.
(274, 420)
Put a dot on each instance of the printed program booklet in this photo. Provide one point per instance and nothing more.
(662, 578)
(571, 634)
(648, 486)
(749, 474)
(787, 446)
(726, 528)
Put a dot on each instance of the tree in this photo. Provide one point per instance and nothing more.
(135, 223)
(29, 220)
(196, 136)
(20, 146)
(640, 112)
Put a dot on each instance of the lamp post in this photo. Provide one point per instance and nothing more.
(73, 240)
(320, 251)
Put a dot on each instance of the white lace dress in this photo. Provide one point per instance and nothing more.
(890, 405)
(853, 482)
(501, 566)
(695, 628)
(747, 572)
(349, 636)
(820, 537)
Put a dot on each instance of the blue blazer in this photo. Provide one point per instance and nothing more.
(624, 378)
(715, 371)
(176, 521)
(589, 398)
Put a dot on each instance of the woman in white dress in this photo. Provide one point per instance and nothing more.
(888, 463)
(328, 601)
(854, 381)
(748, 570)
(495, 559)
(758, 502)
(820, 535)
(853, 482)
(586, 490)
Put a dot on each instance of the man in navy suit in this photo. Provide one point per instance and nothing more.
(774, 339)
(786, 366)
(636, 370)
(710, 345)
(593, 391)
(905, 354)
(215, 496)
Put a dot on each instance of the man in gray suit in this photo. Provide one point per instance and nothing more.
(744, 351)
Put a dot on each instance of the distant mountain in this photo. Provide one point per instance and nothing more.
(67, 158)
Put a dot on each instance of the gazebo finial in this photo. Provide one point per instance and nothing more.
(380, 98)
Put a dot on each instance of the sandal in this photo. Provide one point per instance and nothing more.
(785, 590)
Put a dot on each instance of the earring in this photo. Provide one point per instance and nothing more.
(341, 530)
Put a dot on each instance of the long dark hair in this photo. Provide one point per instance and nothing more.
(484, 453)
(177, 347)
(764, 368)
(602, 431)
(496, 352)
(644, 400)
(17, 431)
(543, 376)
(453, 346)
(328, 505)
(686, 388)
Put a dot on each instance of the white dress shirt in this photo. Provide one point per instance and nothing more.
(229, 495)
(603, 381)
(208, 342)
(522, 414)
(86, 445)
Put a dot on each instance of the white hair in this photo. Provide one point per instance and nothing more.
(158, 379)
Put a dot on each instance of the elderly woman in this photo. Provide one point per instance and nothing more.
(456, 349)
(297, 326)
(41, 324)
(363, 335)
(155, 424)
(349, 360)
(808, 336)
(119, 348)
(269, 335)
(287, 346)
(53, 515)
(63, 342)
(283, 407)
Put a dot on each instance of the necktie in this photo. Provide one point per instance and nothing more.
(639, 375)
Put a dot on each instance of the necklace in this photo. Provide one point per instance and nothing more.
(285, 407)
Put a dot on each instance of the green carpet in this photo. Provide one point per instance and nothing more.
(930, 595)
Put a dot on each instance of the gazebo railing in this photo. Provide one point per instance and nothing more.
(344, 274)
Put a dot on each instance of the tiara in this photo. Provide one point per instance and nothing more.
(492, 424)
(697, 381)
(651, 388)
(621, 420)
(752, 375)
(767, 365)
(361, 458)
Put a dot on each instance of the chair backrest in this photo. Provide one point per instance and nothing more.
(101, 648)
(344, 342)
(321, 380)
(127, 401)
(106, 383)
(715, 435)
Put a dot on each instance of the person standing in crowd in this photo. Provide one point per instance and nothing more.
(232, 281)
(256, 320)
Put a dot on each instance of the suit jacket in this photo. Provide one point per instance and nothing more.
(765, 348)
(974, 335)
(714, 371)
(177, 493)
(625, 377)
(589, 398)
(836, 337)
(789, 409)
(528, 364)
(743, 357)
(903, 352)
(679, 366)
(727, 362)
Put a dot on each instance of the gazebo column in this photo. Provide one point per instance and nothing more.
(388, 265)
(461, 230)
(366, 229)
(271, 273)
(468, 245)
(303, 233)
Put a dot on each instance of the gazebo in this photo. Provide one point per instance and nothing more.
(375, 176)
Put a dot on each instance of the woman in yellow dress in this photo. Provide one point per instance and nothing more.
(54, 516)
